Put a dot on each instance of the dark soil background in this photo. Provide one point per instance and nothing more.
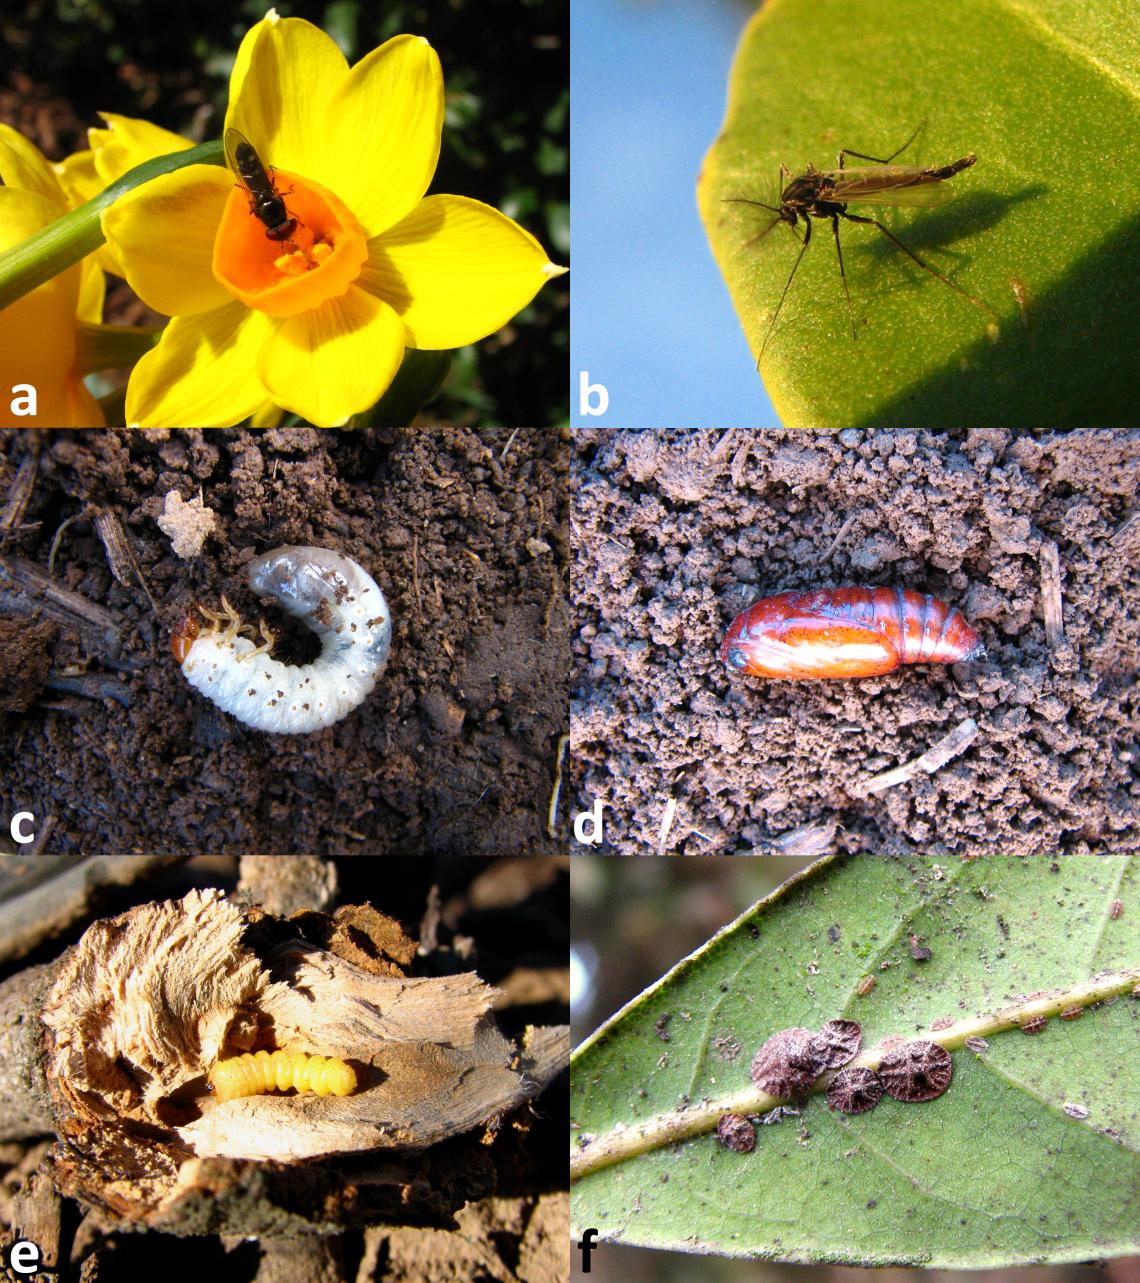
(454, 750)
(677, 532)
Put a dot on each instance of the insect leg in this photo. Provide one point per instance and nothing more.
(859, 218)
(842, 273)
(886, 160)
(788, 286)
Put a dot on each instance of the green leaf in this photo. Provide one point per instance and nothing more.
(995, 1172)
(1044, 228)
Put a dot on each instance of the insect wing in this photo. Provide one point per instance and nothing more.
(240, 154)
(888, 185)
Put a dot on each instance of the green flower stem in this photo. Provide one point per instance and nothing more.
(78, 233)
(107, 347)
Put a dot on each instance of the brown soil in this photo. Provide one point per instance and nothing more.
(676, 532)
(455, 748)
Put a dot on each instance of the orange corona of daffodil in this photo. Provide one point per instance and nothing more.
(311, 304)
(40, 334)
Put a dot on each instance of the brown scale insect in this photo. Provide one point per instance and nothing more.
(841, 1039)
(855, 1090)
(918, 1070)
(737, 1133)
(977, 1044)
(788, 1063)
(1034, 1025)
(1072, 1013)
(846, 632)
(865, 985)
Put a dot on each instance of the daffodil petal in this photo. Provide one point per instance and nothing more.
(455, 270)
(23, 166)
(283, 80)
(383, 132)
(37, 332)
(127, 142)
(162, 233)
(92, 290)
(201, 374)
(334, 361)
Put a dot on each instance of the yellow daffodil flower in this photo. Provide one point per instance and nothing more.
(313, 309)
(41, 334)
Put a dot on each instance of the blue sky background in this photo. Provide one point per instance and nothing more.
(650, 313)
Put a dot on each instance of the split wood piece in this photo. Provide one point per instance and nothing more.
(20, 492)
(959, 739)
(1051, 595)
(120, 555)
(144, 1005)
(40, 899)
(25, 589)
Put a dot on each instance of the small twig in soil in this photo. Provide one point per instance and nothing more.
(552, 809)
(666, 824)
(20, 493)
(416, 576)
(24, 589)
(959, 739)
(1051, 595)
(57, 538)
(806, 839)
(90, 686)
(1126, 531)
(840, 536)
(510, 442)
(120, 555)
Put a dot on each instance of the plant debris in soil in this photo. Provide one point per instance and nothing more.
(455, 748)
(676, 532)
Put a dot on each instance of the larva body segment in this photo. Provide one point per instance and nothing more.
(339, 601)
(254, 1073)
(846, 632)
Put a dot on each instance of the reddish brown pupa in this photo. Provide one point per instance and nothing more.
(1034, 1025)
(855, 1091)
(737, 1133)
(846, 632)
(788, 1063)
(918, 1070)
(865, 985)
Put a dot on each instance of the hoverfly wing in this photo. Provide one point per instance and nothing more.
(240, 154)
(888, 185)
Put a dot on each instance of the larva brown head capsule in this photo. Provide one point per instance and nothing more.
(184, 637)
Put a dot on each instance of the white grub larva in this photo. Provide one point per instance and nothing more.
(337, 599)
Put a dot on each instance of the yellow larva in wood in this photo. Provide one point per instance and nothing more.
(262, 1071)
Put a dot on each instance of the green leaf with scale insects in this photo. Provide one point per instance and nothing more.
(1029, 1156)
(1044, 228)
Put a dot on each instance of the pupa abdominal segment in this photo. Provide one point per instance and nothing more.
(337, 599)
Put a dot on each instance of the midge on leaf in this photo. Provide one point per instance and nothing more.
(265, 201)
(826, 193)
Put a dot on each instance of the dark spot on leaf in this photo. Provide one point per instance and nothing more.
(833, 934)
(1003, 927)
(919, 952)
(661, 1028)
